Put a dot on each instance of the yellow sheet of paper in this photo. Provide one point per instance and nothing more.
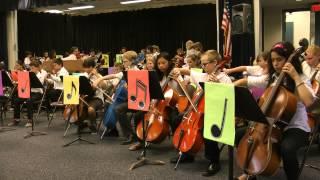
(71, 90)
(105, 61)
(118, 58)
(219, 113)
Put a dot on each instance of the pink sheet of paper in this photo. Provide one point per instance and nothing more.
(23, 84)
(111, 70)
(1, 85)
(138, 90)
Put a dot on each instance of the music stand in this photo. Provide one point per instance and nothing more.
(247, 108)
(6, 82)
(155, 92)
(34, 83)
(84, 89)
(314, 111)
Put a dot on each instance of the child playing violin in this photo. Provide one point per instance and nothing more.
(96, 101)
(209, 62)
(312, 62)
(54, 78)
(35, 95)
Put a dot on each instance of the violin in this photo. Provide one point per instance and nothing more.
(315, 83)
(258, 150)
(120, 96)
(316, 90)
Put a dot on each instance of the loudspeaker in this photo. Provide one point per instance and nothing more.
(242, 19)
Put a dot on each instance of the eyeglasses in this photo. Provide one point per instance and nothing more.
(205, 64)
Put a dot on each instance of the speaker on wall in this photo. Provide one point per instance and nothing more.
(242, 19)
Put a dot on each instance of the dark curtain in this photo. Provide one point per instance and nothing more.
(3, 38)
(39, 32)
(317, 28)
(167, 27)
(7, 5)
(242, 44)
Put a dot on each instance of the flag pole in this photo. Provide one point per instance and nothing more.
(218, 25)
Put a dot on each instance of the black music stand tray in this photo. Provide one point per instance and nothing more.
(84, 89)
(247, 108)
(34, 83)
(155, 92)
(6, 82)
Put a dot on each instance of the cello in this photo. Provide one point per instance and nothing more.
(188, 137)
(156, 120)
(258, 152)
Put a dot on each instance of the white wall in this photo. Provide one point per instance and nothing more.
(301, 25)
(272, 26)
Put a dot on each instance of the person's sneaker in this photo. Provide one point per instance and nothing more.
(28, 124)
(212, 169)
(185, 158)
(14, 123)
(135, 146)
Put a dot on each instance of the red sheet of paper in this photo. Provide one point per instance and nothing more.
(138, 90)
(23, 84)
(14, 75)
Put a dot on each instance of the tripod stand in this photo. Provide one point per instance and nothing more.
(79, 138)
(142, 160)
(155, 92)
(35, 83)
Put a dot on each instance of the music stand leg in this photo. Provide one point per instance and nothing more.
(230, 152)
(79, 138)
(34, 133)
(4, 129)
(143, 160)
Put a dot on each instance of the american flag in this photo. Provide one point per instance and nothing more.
(226, 27)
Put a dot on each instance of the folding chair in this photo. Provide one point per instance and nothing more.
(56, 104)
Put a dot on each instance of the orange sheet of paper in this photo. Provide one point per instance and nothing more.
(23, 84)
(71, 90)
(138, 90)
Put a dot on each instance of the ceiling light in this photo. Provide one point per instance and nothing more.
(134, 1)
(81, 7)
(53, 11)
(298, 0)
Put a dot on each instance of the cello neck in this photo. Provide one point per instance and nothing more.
(269, 100)
(313, 77)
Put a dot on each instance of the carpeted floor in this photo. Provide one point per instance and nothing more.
(43, 157)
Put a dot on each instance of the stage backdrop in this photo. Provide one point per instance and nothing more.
(3, 38)
(167, 27)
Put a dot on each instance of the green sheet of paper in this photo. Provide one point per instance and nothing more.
(118, 58)
(196, 70)
(219, 105)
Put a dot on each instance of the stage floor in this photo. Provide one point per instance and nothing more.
(43, 157)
